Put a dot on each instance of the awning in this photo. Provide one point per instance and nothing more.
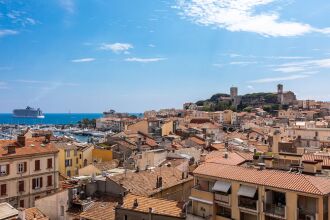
(221, 186)
(200, 200)
(248, 191)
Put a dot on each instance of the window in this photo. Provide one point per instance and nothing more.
(62, 210)
(37, 165)
(75, 152)
(21, 186)
(3, 190)
(4, 170)
(67, 153)
(68, 173)
(49, 180)
(37, 183)
(68, 163)
(21, 167)
(79, 156)
(76, 172)
(21, 203)
(77, 160)
(49, 163)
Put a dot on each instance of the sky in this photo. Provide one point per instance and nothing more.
(137, 55)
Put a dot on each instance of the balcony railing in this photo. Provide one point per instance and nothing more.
(248, 203)
(275, 210)
(222, 198)
(225, 214)
(304, 214)
(197, 192)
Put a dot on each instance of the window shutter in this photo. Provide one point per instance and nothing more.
(8, 166)
(49, 181)
(40, 182)
(25, 167)
(3, 189)
(33, 183)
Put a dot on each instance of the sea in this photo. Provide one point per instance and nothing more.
(52, 118)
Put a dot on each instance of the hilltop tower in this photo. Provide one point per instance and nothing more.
(279, 89)
(233, 92)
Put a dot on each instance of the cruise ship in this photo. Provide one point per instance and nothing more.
(28, 112)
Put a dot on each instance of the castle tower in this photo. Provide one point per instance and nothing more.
(279, 88)
(233, 92)
(280, 95)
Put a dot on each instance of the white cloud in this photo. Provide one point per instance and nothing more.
(250, 87)
(151, 45)
(46, 82)
(83, 60)
(242, 62)
(289, 69)
(307, 65)
(288, 57)
(68, 5)
(242, 15)
(144, 60)
(117, 47)
(6, 32)
(279, 79)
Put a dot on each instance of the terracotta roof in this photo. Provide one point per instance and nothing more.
(107, 165)
(144, 182)
(312, 157)
(34, 214)
(32, 146)
(159, 206)
(272, 178)
(197, 140)
(219, 158)
(218, 146)
(100, 211)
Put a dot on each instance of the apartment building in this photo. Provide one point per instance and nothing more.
(224, 192)
(28, 170)
(73, 156)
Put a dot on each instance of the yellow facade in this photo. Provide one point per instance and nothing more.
(71, 159)
(167, 128)
(101, 155)
(141, 126)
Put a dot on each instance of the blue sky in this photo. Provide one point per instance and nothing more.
(131, 56)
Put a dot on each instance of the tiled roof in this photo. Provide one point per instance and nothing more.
(219, 158)
(107, 165)
(144, 182)
(159, 206)
(312, 157)
(100, 211)
(32, 146)
(271, 178)
(34, 214)
(197, 140)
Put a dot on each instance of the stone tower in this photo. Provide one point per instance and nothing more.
(233, 92)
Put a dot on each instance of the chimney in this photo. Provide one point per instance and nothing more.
(21, 140)
(135, 204)
(225, 155)
(11, 149)
(21, 214)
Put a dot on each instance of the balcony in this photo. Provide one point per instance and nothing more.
(248, 204)
(275, 211)
(304, 214)
(198, 194)
(223, 199)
